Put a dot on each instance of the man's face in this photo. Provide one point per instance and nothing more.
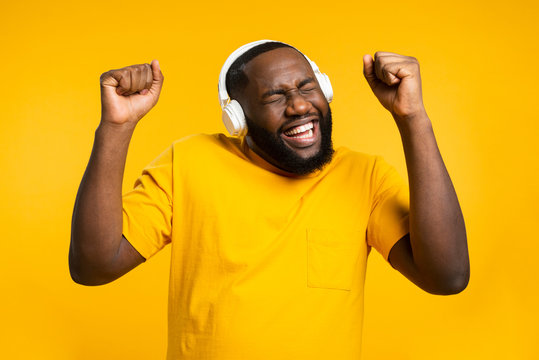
(288, 117)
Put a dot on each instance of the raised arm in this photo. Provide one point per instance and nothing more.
(435, 254)
(98, 252)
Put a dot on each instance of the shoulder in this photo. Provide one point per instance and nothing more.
(359, 166)
(344, 157)
(205, 152)
(194, 146)
(206, 143)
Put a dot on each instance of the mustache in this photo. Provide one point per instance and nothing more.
(316, 115)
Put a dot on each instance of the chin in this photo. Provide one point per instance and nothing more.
(275, 150)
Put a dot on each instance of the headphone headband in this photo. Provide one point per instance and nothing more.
(224, 98)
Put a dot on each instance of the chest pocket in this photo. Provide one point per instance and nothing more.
(332, 258)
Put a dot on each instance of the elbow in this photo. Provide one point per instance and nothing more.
(451, 284)
(81, 275)
(74, 268)
(80, 279)
(450, 277)
(455, 285)
(77, 278)
(76, 273)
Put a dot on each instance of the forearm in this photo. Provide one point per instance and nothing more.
(437, 230)
(97, 217)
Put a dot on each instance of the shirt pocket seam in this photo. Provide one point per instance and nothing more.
(332, 258)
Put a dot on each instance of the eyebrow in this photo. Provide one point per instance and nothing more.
(281, 91)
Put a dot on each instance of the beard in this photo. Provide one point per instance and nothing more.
(287, 159)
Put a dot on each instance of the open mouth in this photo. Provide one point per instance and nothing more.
(301, 132)
(303, 135)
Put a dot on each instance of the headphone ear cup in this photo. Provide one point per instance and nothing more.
(325, 85)
(234, 119)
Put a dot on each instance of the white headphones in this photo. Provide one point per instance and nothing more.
(233, 116)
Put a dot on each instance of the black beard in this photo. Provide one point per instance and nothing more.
(275, 148)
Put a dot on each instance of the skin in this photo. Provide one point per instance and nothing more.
(98, 253)
(434, 255)
(283, 93)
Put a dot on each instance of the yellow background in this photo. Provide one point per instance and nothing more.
(478, 63)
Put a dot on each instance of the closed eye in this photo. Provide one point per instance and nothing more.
(307, 85)
(273, 98)
(274, 95)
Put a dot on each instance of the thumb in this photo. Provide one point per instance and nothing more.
(157, 75)
(368, 71)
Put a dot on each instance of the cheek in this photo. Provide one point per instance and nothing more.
(322, 105)
(319, 100)
(271, 118)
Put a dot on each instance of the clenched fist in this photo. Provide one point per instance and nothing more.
(127, 94)
(396, 82)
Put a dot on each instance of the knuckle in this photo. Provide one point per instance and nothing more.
(127, 70)
(104, 76)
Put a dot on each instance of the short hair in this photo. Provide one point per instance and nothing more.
(236, 80)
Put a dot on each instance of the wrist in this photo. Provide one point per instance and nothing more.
(107, 127)
(113, 137)
(414, 123)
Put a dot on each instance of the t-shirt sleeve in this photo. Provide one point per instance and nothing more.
(147, 208)
(388, 221)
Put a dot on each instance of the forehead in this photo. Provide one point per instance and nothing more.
(278, 67)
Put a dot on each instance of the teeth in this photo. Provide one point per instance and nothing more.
(300, 129)
(308, 135)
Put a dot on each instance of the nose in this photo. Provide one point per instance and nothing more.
(297, 105)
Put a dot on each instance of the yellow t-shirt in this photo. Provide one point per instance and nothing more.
(264, 266)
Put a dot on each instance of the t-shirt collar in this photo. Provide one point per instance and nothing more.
(261, 162)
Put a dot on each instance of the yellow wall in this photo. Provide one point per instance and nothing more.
(478, 63)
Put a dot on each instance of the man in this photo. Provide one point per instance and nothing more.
(270, 232)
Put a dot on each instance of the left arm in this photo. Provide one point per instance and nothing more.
(435, 254)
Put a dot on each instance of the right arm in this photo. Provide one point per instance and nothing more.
(98, 252)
